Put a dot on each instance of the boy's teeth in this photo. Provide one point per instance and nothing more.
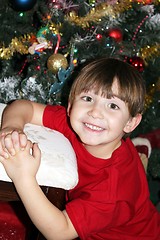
(93, 127)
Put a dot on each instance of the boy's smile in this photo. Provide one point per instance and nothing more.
(93, 127)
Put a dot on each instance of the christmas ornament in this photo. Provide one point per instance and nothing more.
(57, 61)
(138, 63)
(116, 34)
(55, 4)
(62, 77)
(22, 5)
(99, 36)
(92, 3)
(39, 42)
(144, 1)
(38, 46)
(42, 32)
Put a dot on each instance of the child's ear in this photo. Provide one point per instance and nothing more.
(68, 109)
(132, 123)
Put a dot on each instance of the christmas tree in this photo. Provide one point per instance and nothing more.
(44, 43)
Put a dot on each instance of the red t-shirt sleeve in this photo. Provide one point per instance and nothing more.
(54, 117)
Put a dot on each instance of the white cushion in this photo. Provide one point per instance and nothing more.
(58, 163)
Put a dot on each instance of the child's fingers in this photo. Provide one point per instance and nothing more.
(2, 159)
(12, 142)
(36, 151)
(15, 142)
(8, 144)
(23, 140)
(29, 145)
(3, 151)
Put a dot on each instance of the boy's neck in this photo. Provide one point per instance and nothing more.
(103, 151)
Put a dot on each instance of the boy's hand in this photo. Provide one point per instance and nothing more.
(11, 141)
(24, 164)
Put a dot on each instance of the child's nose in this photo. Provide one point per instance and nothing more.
(95, 112)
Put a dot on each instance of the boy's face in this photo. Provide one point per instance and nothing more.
(100, 122)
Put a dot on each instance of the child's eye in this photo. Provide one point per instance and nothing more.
(87, 98)
(113, 106)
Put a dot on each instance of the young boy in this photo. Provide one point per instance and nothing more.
(111, 200)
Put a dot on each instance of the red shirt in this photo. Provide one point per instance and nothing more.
(111, 199)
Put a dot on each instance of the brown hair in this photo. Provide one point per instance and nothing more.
(100, 75)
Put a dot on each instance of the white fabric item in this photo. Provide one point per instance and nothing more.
(139, 141)
(58, 166)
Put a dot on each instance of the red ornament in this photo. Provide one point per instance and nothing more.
(144, 1)
(56, 4)
(38, 67)
(116, 34)
(99, 36)
(138, 63)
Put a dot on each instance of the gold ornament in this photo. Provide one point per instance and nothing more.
(56, 61)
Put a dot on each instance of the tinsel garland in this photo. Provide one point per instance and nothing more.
(103, 10)
(149, 52)
(97, 13)
(19, 45)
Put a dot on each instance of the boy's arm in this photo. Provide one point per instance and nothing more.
(51, 222)
(20, 112)
(14, 117)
